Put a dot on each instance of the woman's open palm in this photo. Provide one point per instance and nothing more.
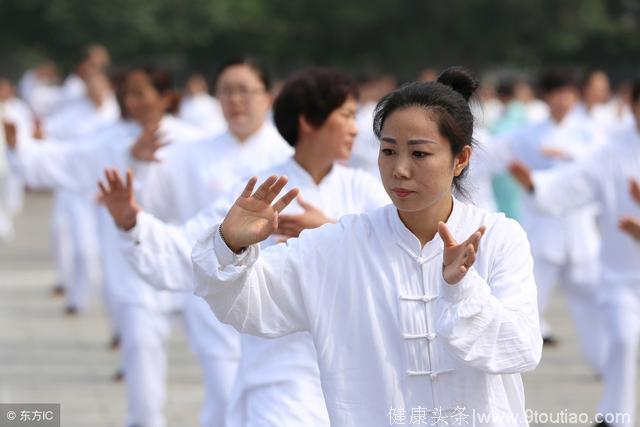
(253, 218)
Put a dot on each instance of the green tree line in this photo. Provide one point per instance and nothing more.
(401, 36)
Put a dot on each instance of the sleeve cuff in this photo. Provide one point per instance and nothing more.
(224, 254)
(472, 284)
(134, 234)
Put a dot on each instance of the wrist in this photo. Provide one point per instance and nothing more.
(224, 232)
(130, 221)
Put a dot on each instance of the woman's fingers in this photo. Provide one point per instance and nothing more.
(263, 190)
(248, 189)
(634, 188)
(284, 201)
(103, 189)
(474, 239)
(276, 188)
(129, 180)
(446, 235)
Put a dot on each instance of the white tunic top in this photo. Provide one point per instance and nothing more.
(602, 178)
(389, 332)
(203, 110)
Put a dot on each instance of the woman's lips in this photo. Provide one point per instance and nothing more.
(402, 192)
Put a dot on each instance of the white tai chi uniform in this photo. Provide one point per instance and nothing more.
(203, 110)
(74, 217)
(278, 382)
(188, 178)
(603, 178)
(565, 248)
(366, 146)
(390, 333)
(143, 314)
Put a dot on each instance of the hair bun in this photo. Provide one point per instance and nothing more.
(460, 80)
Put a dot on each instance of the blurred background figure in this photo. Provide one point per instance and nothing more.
(372, 88)
(199, 108)
(14, 110)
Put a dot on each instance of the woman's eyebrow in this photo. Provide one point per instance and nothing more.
(420, 141)
(416, 141)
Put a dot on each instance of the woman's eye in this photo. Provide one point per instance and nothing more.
(421, 154)
(387, 151)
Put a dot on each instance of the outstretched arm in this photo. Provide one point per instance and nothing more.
(157, 251)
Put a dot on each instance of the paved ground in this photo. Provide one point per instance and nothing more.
(46, 357)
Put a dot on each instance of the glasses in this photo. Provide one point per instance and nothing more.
(242, 92)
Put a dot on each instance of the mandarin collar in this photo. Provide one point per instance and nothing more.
(410, 243)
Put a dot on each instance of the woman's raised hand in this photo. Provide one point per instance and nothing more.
(148, 143)
(117, 195)
(253, 218)
(521, 173)
(458, 257)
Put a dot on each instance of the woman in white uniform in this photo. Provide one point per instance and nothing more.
(409, 316)
(606, 177)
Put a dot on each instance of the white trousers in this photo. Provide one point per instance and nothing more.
(285, 404)
(218, 349)
(620, 372)
(580, 284)
(75, 236)
(145, 334)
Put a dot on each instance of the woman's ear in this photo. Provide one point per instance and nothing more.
(305, 128)
(461, 161)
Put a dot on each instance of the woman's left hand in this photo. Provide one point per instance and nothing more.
(458, 257)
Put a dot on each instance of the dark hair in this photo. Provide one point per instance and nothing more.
(313, 93)
(446, 99)
(256, 65)
(552, 80)
(162, 80)
(635, 91)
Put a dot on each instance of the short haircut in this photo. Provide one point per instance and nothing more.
(313, 93)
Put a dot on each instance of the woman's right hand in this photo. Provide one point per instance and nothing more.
(253, 218)
(148, 143)
(522, 174)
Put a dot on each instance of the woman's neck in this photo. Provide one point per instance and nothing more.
(316, 166)
(424, 224)
(245, 135)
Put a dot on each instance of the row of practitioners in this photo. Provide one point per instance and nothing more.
(418, 336)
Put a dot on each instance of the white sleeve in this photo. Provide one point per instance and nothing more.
(570, 187)
(493, 324)
(161, 253)
(259, 291)
(49, 164)
(72, 166)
